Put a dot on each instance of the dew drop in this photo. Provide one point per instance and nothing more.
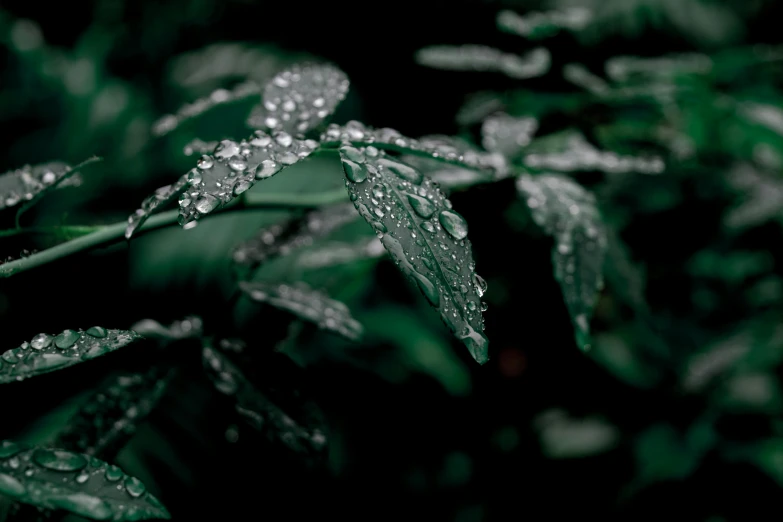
(403, 171)
(422, 206)
(226, 149)
(134, 487)
(113, 474)
(205, 162)
(453, 223)
(354, 171)
(241, 187)
(267, 168)
(66, 339)
(9, 449)
(41, 341)
(207, 204)
(194, 177)
(427, 226)
(237, 164)
(480, 284)
(59, 460)
(97, 331)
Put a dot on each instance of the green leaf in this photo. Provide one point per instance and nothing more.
(46, 353)
(232, 169)
(80, 484)
(303, 435)
(299, 99)
(425, 237)
(444, 149)
(283, 238)
(334, 253)
(568, 213)
(188, 328)
(170, 122)
(108, 419)
(537, 25)
(308, 304)
(482, 58)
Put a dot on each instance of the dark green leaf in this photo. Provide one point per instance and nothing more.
(80, 484)
(566, 211)
(109, 417)
(300, 98)
(46, 353)
(306, 303)
(425, 237)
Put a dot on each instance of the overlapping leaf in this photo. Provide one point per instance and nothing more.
(300, 98)
(426, 238)
(80, 484)
(110, 416)
(568, 213)
(283, 238)
(306, 303)
(46, 353)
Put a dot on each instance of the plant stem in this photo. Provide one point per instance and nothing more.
(115, 232)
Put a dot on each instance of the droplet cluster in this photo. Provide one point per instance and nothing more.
(298, 99)
(81, 484)
(425, 236)
(45, 353)
(471, 57)
(306, 303)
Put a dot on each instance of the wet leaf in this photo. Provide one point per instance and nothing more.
(486, 59)
(443, 149)
(283, 238)
(568, 213)
(306, 303)
(425, 237)
(29, 183)
(109, 418)
(304, 435)
(506, 134)
(46, 353)
(80, 484)
(218, 178)
(300, 98)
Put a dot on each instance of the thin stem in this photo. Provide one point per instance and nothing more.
(116, 232)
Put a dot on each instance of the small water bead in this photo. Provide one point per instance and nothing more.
(354, 171)
(267, 168)
(205, 162)
(97, 331)
(472, 306)
(480, 284)
(194, 177)
(352, 153)
(41, 341)
(59, 460)
(66, 339)
(241, 186)
(184, 199)
(289, 106)
(226, 149)
(422, 206)
(134, 487)
(81, 478)
(237, 164)
(113, 474)
(284, 139)
(453, 223)
(427, 226)
(207, 204)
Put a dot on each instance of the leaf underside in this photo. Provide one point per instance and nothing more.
(306, 303)
(80, 484)
(46, 353)
(425, 237)
(568, 213)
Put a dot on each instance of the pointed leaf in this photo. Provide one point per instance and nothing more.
(46, 353)
(80, 484)
(281, 239)
(303, 435)
(425, 237)
(109, 417)
(568, 213)
(450, 151)
(306, 303)
(170, 122)
(483, 58)
(232, 169)
(299, 99)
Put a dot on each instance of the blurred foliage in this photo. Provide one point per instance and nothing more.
(677, 403)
